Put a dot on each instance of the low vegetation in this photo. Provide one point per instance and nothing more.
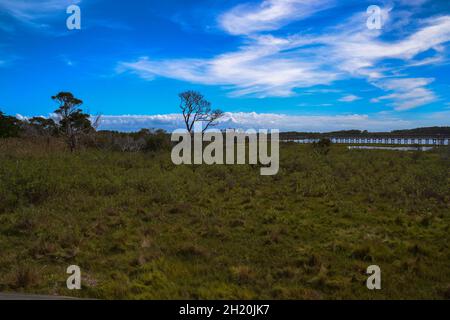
(142, 228)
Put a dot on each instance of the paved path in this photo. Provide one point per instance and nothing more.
(21, 296)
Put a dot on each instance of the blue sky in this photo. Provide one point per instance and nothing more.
(288, 64)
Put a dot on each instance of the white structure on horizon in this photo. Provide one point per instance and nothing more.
(424, 141)
(394, 140)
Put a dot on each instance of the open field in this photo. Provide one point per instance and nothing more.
(140, 227)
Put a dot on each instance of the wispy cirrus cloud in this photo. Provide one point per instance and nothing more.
(269, 65)
(408, 93)
(32, 12)
(247, 72)
(349, 98)
(269, 15)
(362, 50)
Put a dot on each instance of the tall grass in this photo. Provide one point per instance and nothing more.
(141, 227)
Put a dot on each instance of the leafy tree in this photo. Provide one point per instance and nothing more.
(196, 108)
(43, 126)
(73, 122)
(9, 126)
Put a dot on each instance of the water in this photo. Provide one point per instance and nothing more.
(391, 148)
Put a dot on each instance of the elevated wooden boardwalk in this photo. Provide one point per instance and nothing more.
(390, 140)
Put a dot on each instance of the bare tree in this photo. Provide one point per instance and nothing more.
(196, 108)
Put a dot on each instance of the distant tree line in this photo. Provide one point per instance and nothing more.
(77, 128)
(71, 122)
(425, 131)
(406, 132)
(431, 131)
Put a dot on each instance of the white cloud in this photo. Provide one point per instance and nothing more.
(283, 122)
(349, 98)
(427, 61)
(21, 117)
(271, 65)
(67, 61)
(254, 70)
(413, 2)
(321, 91)
(358, 51)
(31, 10)
(269, 15)
(137, 122)
(403, 84)
(408, 93)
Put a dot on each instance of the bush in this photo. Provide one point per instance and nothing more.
(144, 140)
(323, 146)
(9, 126)
(156, 141)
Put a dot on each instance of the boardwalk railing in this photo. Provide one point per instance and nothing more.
(377, 140)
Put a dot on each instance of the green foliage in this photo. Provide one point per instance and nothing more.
(157, 141)
(73, 122)
(9, 126)
(43, 126)
(72, 118)
(425, 131)
(140, 227)
(323, 146)
(144, 140)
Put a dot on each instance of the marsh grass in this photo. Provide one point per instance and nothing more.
(142, 228)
